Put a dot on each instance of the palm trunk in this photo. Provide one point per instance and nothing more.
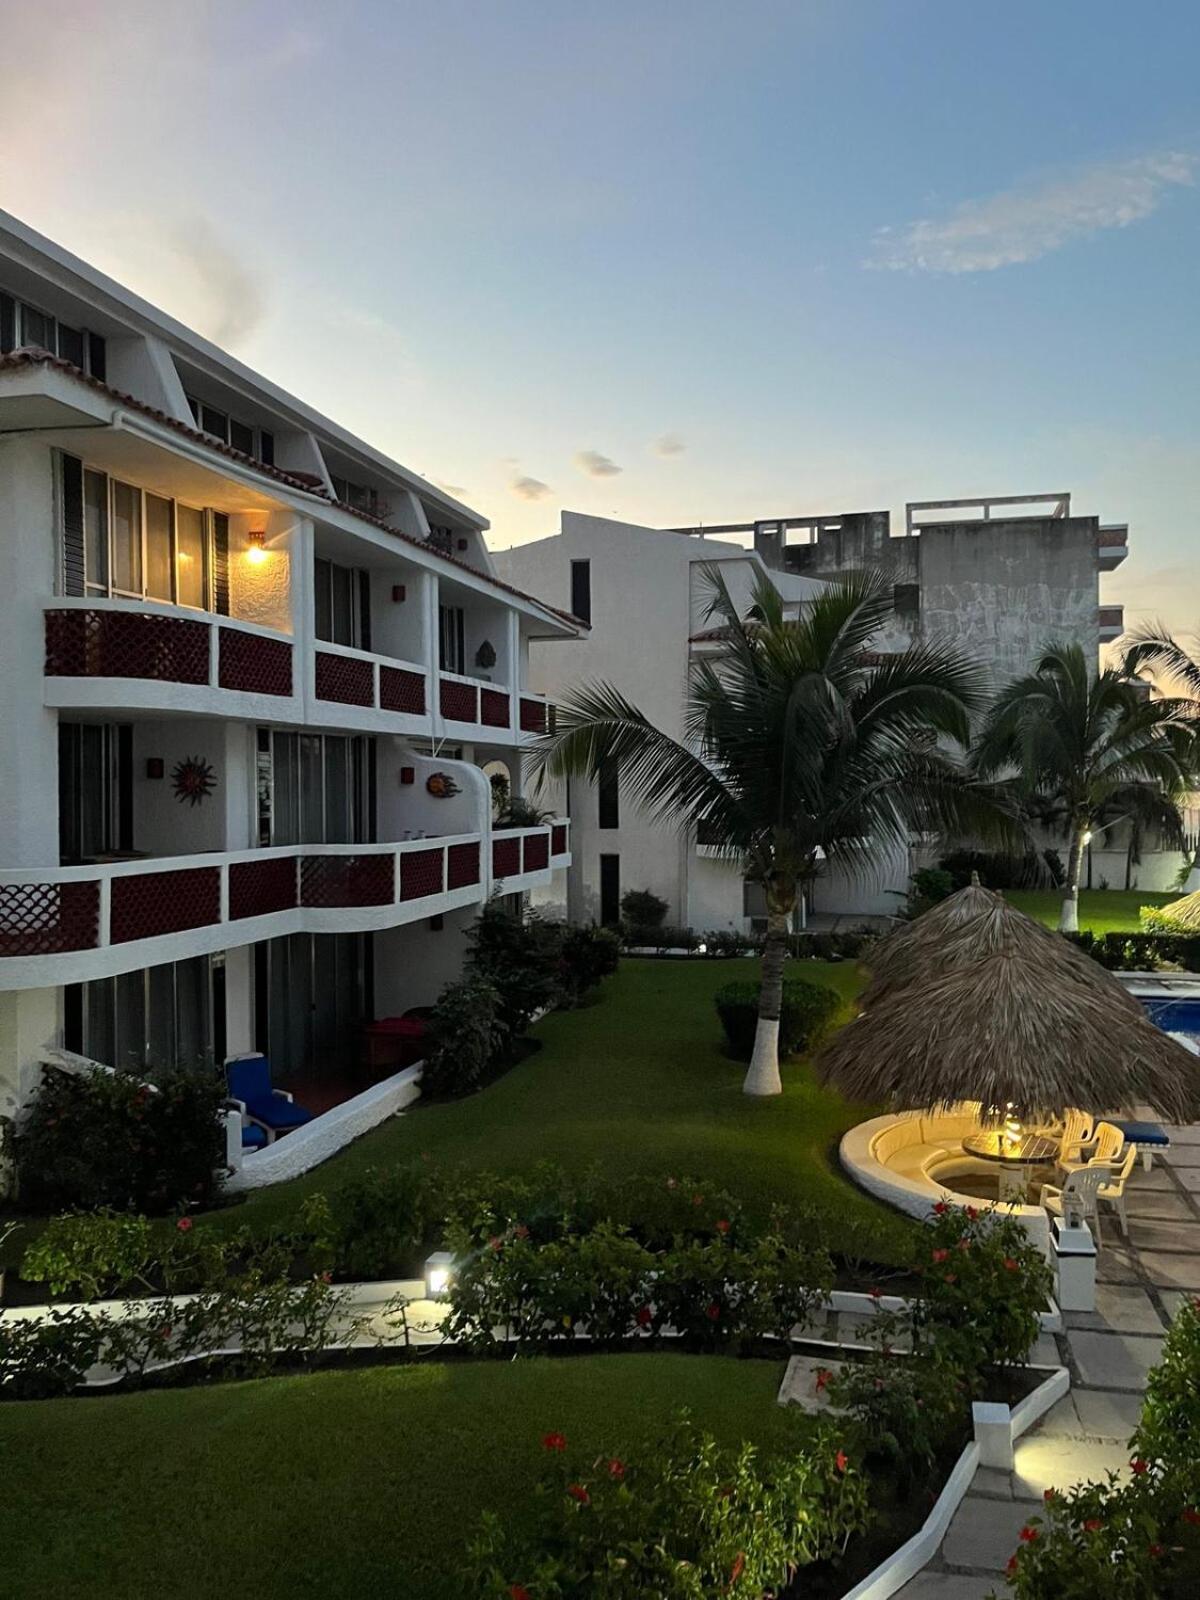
(1068, 921)
(762, 1077)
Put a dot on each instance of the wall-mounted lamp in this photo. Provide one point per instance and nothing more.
(256, 552)
(398, 593)
(154, 767)
(408, 775)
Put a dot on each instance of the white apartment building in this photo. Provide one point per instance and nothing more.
(251, 672)
(1000, 577)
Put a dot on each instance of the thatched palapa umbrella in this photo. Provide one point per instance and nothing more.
(995, 1008)
(1183, 915)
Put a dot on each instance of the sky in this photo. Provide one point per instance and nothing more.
(667, 260)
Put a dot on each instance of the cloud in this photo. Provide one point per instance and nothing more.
(224, 299)
(596, 465)
(1025, 222)
(529, 488)
(668, 444)
(456, 489)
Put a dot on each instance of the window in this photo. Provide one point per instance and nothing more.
(452, 655)
(95, 790)
(609, 790)
(243, 436)
(610, 891)
(316, 789)
(358, 495)
(342, 605)
(581, 590)
(22, 325)
(160, 1016)
(135, 543)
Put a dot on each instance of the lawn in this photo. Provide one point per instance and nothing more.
(637, 1082)
(361, 1482)
(1100, 910)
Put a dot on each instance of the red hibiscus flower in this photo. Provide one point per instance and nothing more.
(841, 1461)
(713, 1310)
(496, 1242)
(644, 1316)
(554, 1441)
(722, 1226)
(973, 1213)
(1012, 1565)
(518, 1591)
(1192, 1516)
(184, 1224)
(940, 1209)
(521, 1231)
(1137, 1466)
(823, 1377)
(616, 1468)
(165, 1333)
(1028, 1534)
(578, 1492)
(875, 1294)
(739, 1566)
(1155, 1550)
(1010, 1265)
(950, 1277)
(940, 1255)
(1050, 1495)
(1092, 1525)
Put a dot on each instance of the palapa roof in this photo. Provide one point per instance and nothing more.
(986, 1004)
(1183, 914)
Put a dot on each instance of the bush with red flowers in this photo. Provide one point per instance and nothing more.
(906, 1410)
(689, 1522)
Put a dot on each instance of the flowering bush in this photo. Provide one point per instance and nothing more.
(693, 1522)
(112, 1139)
(906, 1410)
(983, 1287)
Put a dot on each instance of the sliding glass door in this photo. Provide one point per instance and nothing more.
(314, 990)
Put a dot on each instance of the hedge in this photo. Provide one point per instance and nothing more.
(807, 1010)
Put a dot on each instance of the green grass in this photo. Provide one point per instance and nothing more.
(1100, 910)
(636, 1083)
(361, 1482)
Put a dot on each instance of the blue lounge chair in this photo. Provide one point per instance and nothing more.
(274, 1110)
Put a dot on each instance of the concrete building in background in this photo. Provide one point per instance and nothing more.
(1000, 577)
(253, 671)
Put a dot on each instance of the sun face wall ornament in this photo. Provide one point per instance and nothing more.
(441, 785)
(193, 780)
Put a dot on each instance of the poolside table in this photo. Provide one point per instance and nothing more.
(1013, 1157)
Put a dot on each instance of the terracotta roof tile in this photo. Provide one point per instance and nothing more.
(306, 482)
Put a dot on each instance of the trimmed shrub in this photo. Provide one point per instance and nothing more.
(518, 957)
(468, 1029)
(807, 1010)
(641, 909)
(1140, 952)
(114, 1139)
(723, 943)
(658, 936)
(585, 956)
(846, 946)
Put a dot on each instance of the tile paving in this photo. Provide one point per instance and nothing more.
(1141, 1283)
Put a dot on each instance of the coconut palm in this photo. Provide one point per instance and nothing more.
(800, 740)
(1150, 652)
(1087, 749)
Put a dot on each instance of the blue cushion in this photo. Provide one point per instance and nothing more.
(249, 1077)
(253, 1137)
(277, 1112)
(1143, 1132)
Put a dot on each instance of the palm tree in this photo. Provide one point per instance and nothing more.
(1151, 652)
(1087, 749)
(799, 740)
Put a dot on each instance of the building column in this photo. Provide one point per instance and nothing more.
(30, 1022)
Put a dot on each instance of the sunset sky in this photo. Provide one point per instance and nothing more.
(670, 260)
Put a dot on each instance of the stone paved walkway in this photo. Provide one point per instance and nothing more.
(1140, 1286)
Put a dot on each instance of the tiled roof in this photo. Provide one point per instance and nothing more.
(306, 482)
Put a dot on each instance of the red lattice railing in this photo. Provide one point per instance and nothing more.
(506, 857)
(493, 708)
(537, 851)
(257, 888)
(558, 840)
(252, 664)
(43, 919)
(345, 679)
(420, 874)
(126, 644)
(533, 716)
(458, 701)
(462, 866)
(148, 905)
(401, 691)
(332, 881)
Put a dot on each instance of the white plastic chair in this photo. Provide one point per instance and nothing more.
(1113, 1192)
(1076, 1201)
(1078, 1131)
(1107, 1144)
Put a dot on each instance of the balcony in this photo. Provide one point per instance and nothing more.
(390, 694)
(523, 857)
(1112, 545)
(131, 653)
(1111, 620)
(65, 924)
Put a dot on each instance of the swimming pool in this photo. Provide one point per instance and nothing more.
(1173, 1015)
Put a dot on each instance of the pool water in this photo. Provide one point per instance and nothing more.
(1173, 1015)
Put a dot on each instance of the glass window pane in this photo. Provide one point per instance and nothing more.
(127, 538)
(95, 529)
(161, 1021)
(130, 1046)
(343, 605)
(312, 809)
(95, 784)
(214, 421)
(98, 1041)
(37, 328)
(286, 819)
(323, 600)
(192, 561)
(192, 1012)
(70, 345)
(158, 548)
(337, 793)
(241, 437)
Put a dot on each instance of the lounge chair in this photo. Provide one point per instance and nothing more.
(1076, 1200)
(274, 1110)
(1113, 1192)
